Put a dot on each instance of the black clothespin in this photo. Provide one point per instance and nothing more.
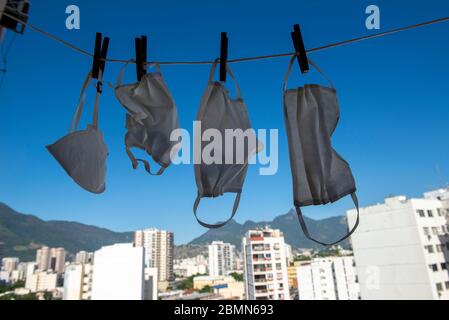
(141, 56)
(300, 49)
(223, 56)
(17, 9)
(100, 56)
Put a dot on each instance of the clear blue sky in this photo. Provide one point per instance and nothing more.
(393, 91)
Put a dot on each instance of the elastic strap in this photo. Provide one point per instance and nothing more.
(82, 99)
(135, 163)
(228, 69)
(306, 230)
(218, 225)
(122, 72)
(313, 64)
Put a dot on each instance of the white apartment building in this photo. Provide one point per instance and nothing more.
(78, 282)
(221, 258)
(118, 273)
(265, 265)
(401, 248)
(159, 246)
(41, 281)
(150, 287)
(84, 257)
(332, 278)
(190, 266)
(9, 264)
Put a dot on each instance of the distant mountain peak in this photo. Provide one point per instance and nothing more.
(329, 228)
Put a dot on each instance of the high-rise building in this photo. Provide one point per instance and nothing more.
(289, 254)
(401, 248)
(78, 282)
(265, 265)
(159, 246)
(43, 258)
(84, 257)
(51, 259)
(41, 281)
(221, 258)
(332, 278)
(118, 273)
(57, 260)
(150, 287)
(10, 264)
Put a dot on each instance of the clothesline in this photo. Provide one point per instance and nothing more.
(263, 57)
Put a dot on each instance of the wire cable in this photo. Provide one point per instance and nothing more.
(4, 58)
(263, 57)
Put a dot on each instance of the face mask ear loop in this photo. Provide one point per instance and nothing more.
(237, 87)
(218, 225)
(79, 110)
(122, 73)
(292, 61)
(306, 230)
(322, 73)
(212, 71)
(287, 75)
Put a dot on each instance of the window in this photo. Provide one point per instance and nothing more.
(433, 267)
(439, 248)
(435, 231)
(429, 249)
(440, 213)
(444, 266)
(421, 213)
(426, 231)
(447, 285)
(430, 213)
(439, 287)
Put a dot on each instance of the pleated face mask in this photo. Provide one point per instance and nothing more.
(83, 153)
(320, 174)
(219, 112)
(152, 117)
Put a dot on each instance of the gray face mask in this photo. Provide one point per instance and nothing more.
(151, 118)
(320, 175)
(83, 153)
(220, 112)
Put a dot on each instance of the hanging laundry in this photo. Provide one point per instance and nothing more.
(320, 175)
(83, 153)
(220, 112)
(151, 118)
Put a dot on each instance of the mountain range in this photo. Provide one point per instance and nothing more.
(327, 230)
(22, 234)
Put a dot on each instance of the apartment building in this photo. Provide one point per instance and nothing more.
(118, 273)
(51, 259)
(78, 282)
(265, 265)
(221, 258)
(159, 246)
(41, 281)
(401, 248)
(332, 278)
(10, 264)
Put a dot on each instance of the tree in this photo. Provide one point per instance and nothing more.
(207, 289)
(237, 277)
